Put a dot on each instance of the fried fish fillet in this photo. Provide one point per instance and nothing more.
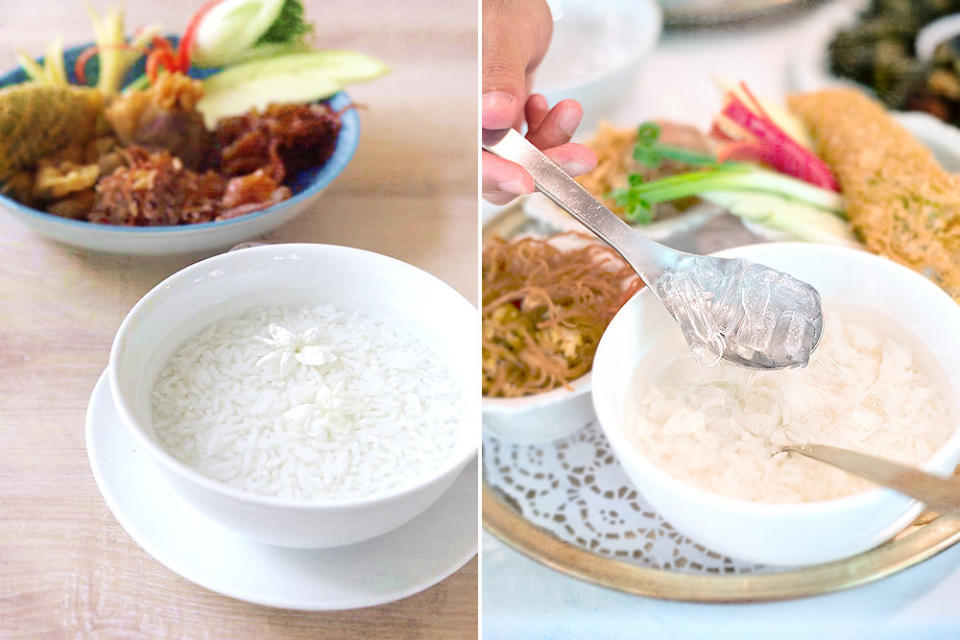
(38, 119)
(901, 203)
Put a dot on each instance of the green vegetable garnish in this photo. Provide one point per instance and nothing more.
(650, 153)
(638, 210)
(289, 25)
(640, 196)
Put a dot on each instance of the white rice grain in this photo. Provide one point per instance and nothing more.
(239, 407)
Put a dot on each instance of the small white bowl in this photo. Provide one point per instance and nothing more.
(539, 418)
(543, 417)
(782, 534)
(294, 274)
(596, 51)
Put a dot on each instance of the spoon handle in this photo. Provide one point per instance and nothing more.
(648, 258)
(937, 492)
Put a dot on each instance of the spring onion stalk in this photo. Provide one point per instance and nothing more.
(650, 152)
(640, 196)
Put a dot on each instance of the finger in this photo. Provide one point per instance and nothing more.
(503, 180)
(558, 126)
(515, 37)
(536, 110)
(575, 159)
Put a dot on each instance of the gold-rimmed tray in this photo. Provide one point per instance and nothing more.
(620, 555)
(924, 538)
(700, 14)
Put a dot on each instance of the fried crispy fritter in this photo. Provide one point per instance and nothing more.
(899, 200)
(37, 119)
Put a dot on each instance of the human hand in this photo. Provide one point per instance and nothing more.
(516, 34)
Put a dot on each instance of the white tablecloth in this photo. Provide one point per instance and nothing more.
(522, 599)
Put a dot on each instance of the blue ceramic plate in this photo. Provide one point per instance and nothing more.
(306, 185)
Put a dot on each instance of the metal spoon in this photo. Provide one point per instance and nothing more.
(934, 491)
(755, 316)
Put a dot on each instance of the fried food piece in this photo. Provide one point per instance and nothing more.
(20, 187)
(252, 192)
(38, 119)
(156, 190)
(614, 148)
(163, 117)
(899, 200)
(282, 140)
(106, 152)
(56, 179)
(76, 206)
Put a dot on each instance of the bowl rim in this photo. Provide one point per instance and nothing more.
(534, 401)
(651, 27)
(160, 455)
(346, 145)
(848, 503)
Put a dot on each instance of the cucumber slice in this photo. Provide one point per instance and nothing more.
(285, 79)
(258, 93)
(341, 66)
(796, 218)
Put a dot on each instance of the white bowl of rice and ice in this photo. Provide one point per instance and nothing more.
(302, 395)
(703, 444)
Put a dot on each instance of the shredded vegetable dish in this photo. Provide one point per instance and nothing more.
(546, 303)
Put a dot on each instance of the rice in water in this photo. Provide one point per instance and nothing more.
(307, 403)
(869, 387)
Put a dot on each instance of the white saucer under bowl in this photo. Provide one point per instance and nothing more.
(405, 561)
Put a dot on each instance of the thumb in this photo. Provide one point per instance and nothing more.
(516, 34)
(504, 83)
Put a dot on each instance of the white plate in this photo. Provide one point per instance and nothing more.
(403, 562)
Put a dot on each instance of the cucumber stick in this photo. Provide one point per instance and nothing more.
(801, 220)
(284, 79)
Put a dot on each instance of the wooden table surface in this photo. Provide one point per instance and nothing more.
(67, 568)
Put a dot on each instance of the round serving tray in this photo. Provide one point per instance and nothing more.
(930, 534)
(705, 14)
(569, 505)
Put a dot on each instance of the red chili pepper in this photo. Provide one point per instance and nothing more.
(190, 35)
(153, 60)
(159, 42)
(162, 55)
(80, 67)
(158, 58)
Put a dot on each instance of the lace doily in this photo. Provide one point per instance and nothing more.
(576, 489)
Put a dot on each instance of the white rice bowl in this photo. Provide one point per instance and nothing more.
(228, 286)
